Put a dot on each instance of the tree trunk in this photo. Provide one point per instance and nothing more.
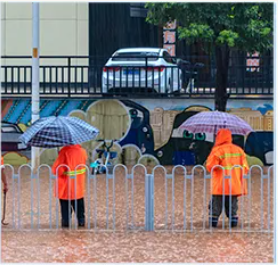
(222, 66)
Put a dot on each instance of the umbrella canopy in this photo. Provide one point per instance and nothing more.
(212, 121)
(51, 132)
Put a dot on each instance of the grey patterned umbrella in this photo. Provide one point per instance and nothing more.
(51, 132)
(212, 121)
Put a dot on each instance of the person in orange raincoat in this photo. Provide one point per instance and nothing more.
(226, 154)
(3, 176)
(72, 156)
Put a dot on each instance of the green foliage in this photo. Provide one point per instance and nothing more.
(196, 32)
(227, 36)
(245, 26)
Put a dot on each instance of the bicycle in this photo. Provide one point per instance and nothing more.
(100, 165)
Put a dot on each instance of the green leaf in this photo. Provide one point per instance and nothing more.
(195, 32)
(227, 37)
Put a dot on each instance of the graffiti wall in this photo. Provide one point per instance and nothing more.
(146, 131)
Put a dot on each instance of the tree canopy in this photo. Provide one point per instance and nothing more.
(225, 26)
(245, 26)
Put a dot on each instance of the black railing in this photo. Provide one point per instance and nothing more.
(83, 76)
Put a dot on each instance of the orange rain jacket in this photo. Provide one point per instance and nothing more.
(227, 155)
(71, 156)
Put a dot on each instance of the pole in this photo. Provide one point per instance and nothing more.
(35, 78)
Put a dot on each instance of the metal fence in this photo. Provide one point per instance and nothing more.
(137, 198)
(84, 76)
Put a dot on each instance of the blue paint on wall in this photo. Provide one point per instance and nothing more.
(266, 107)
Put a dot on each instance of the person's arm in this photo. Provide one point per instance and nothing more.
(4, 180)
(212, 161)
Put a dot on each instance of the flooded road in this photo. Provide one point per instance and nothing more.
(33, 245)
(82, 247)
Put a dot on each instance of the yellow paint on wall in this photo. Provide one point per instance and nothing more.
(15, 159)
(48, 156)
(110, 117)
(22, 126)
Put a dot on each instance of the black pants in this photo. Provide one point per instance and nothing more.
(216, 206)
(80, 213)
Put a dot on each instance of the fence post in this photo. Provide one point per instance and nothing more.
(69, 76)
(146, 72)
(151, 179)
(149, 203)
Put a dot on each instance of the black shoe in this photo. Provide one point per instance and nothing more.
(65, 224)
(234, 221)
(234, 224)
(81, 223)
(213, 221)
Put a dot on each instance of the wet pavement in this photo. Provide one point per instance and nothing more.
(92, 245)
(82, 247)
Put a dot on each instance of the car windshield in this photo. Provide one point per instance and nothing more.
(135, 56)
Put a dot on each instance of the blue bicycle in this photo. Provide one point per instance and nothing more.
(105, 158)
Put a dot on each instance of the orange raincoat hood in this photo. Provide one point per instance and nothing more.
(224, 136)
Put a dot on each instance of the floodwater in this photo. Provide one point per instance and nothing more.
(37, 241)
(81, 247)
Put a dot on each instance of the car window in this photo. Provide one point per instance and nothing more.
(167, 57)
(135, 56)
(9, 129)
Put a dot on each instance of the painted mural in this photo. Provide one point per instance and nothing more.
(145, 131)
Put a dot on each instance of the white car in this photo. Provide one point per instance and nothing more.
(125, 71)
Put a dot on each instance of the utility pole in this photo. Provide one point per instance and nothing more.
(35, 78)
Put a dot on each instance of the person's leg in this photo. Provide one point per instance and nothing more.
(65, 212)
(234, 207)
(80, 213)
(215, 209)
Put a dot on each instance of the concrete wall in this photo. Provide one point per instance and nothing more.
(63, 30)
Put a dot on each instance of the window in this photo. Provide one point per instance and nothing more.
(135, 56)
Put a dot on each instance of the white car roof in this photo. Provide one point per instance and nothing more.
(140, 50)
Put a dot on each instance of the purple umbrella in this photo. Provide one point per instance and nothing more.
(212, 121)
